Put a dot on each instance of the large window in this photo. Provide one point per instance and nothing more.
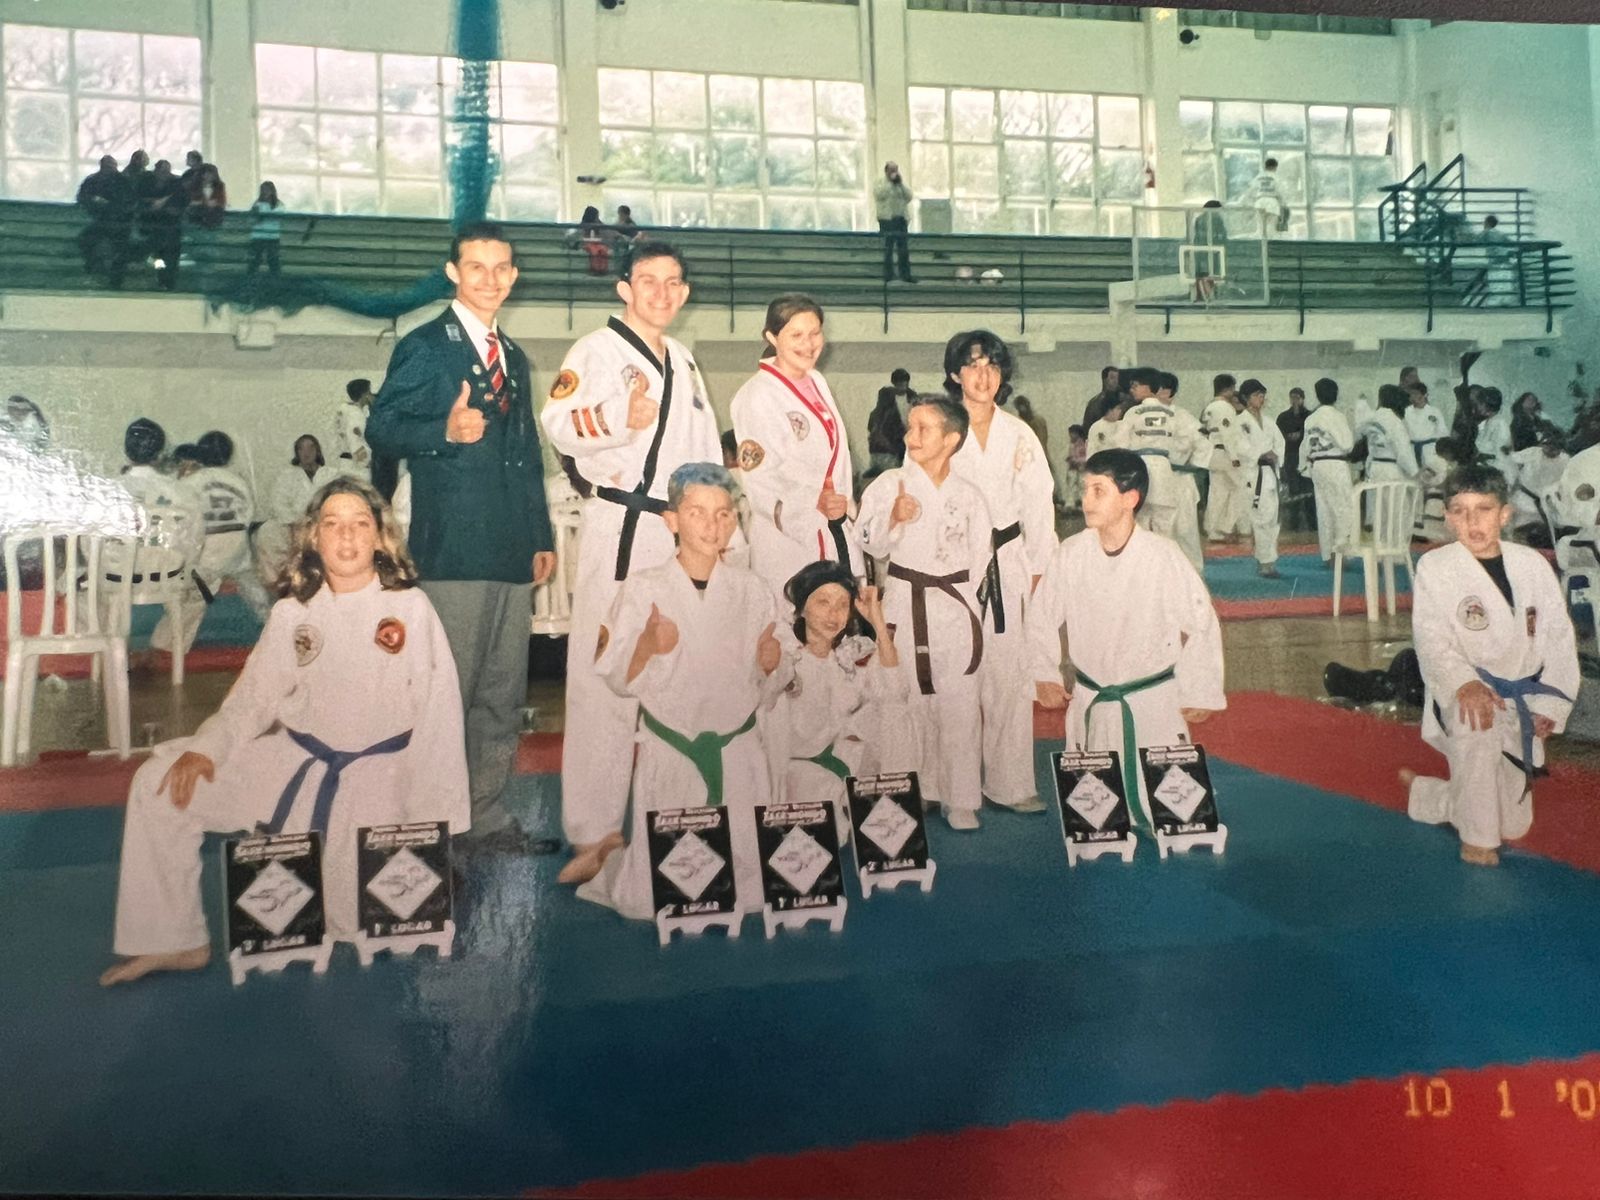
(351, 131)
(1333, 160)
(1027, 162)
(71, 96)
(733, 150)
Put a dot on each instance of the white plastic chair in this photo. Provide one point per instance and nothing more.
(69, 623)
(158, 568)
(1393, 505)
(552, 600)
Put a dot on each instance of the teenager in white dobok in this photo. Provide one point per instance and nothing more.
(1226, 515)
(1002, 458)
(1169, 439)
(629, 406)
(793, 452)
(347, 714)
(1329, 443)
(934, 528)
(692, 643)
(1500, 662)
(1141, 633)
(1262, 451)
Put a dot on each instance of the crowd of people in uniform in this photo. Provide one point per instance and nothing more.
(910, 627)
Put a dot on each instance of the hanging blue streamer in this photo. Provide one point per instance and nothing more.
(473, 168)
(474, 165)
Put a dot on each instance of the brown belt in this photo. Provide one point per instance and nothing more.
(920, 582)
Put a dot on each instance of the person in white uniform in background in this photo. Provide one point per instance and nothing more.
(1425, 426)
(934, 528)
(1389, 453)
(1141, 633)
(1500, 662)
(292, 489)
(1535, 471)
(1226, 516)
(629, 407)
(1329, 442)
(1145, 429)
(1189, 457)
(1262, 452)
(1102, 435)
(174, 532)
(226, 511)
(794, 454)
(355, 457)
(1001, 457)
(1268, 200)
(1494, 431)
(353, 661)
(845, 712)
(693, 643)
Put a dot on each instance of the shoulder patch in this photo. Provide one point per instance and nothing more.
(750, 455)
(566, 383)
(453, 332)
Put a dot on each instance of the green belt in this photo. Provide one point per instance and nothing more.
(1130, 741)
(704, 750)
(829, 761)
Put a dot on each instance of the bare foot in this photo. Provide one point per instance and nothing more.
(588, 860)
(1479, 856)
(140, 965)
(1406, 776)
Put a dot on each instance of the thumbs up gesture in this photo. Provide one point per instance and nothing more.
(465, 424)
(660, 634)
(831, 504)
(641, 409)
(905, 510)
(768, 652)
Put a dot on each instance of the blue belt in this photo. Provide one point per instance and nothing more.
(1517, 691)
(335, 761)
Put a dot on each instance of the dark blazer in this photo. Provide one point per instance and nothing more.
(478, 511)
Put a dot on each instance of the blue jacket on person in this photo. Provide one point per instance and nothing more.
(478, 510)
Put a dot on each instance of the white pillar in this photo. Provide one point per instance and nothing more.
(227, 46)
(1163, 75)
(578, 60)
(883, 30)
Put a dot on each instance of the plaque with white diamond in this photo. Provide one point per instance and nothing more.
(274, 892)
(887, 830)
(403, 879)
(1179, 783)
(1090, 789)
(691, 862)
(799, 846)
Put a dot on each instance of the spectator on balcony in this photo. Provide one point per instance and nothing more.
(162, 206)
(627, 234)
(108, 199)
(1211, 263)
(594, 236)
(886, 426)
(1267, 199)
(266, 227)
(1110, 393)
(1499, 276)
(892, 199)
(208, 197)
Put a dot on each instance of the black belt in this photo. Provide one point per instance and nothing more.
(1316, 458)
(636, 502)
(920, 582)
(840, 542)
(990, 592)
(153, 577)
(234, 528)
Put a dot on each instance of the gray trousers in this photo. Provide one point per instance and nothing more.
(487, 626)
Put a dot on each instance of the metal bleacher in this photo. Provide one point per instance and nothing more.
(744, 268)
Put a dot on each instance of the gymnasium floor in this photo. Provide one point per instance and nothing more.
(1334, 1008)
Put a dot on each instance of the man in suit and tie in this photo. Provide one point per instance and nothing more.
(457, 404)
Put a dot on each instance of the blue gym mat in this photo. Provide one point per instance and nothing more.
(1235, 578)
(228, 622)
(1334, 940)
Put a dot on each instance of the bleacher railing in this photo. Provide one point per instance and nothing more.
(1421, 211)
(1179, 256)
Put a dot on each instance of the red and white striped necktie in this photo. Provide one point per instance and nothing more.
(497, 375)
